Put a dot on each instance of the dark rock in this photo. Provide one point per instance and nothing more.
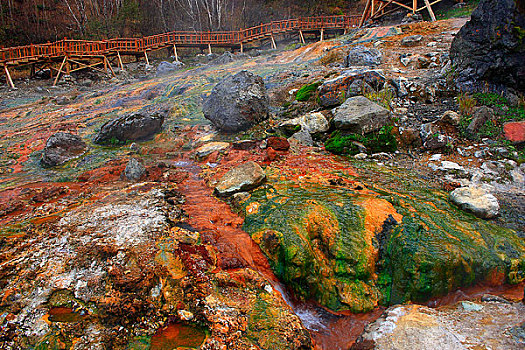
(480, 116)
(132, 127)
(411, 40)
(360, 115)
(490, 47)
(244, 145)
(432, 136)
(237, 103)
(168, 67)
(134, 170)
(363, 56)
(333, 92)
(494, 298)
(278, 143)
(62, 147)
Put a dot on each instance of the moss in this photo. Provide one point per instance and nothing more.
(307, 91)
(381, 141)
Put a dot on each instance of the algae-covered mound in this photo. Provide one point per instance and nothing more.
(348, 247)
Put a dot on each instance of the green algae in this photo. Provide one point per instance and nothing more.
(315, 239)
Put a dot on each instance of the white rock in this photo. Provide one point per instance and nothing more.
(476, 200)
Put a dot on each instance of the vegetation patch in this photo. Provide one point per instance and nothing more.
(307, 91)
(381, 141)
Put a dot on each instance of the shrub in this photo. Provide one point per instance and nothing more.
(466, 104)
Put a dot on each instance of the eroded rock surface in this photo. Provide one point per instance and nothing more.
(241, 178)
(132, 127)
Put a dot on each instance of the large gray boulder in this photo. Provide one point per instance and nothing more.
(62, 147)
(237, 103)
(132, 127)
(360, 115)
(241, 178)
(490, 48)
(476, 200)
(363, 56)
(134, 170)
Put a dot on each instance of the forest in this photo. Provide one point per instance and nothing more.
(38, 21)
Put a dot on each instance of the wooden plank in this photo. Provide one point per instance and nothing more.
(363, 17)
(430, 12)
(60, 71)
(425, 6)
(414, 6)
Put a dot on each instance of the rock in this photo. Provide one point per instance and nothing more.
(432, 137)
(278, 143)
(360, 115)
(476, 200)
(363, 56)
(226, 57)
(302, 137)
(411, 40)
(134, 170)
(271, 154)
(450, 118)
(487, 298)
(132, 127)
(237, 102)
(480, 116)
(451, 166)
(241, 178)
(314, 123)
(62, 147)
(168, 67)
(361, 156)
(470, 306)
(333, 92)
(415, 327)
(63, 100)
(489, 48)
(211, 147)
(409, 137)
(515, 131)
(244, 145)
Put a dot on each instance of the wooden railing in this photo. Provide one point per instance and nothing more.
(85, 48)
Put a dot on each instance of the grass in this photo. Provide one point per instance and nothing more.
(452, 12)
(504, 113)
(383, 98)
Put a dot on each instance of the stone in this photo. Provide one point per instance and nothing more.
(62, 147)
(241, 178)
(450, 118)
(165, 68)
(363, 56)
(361, 156)
(411, 40)
(278, 143)
(488, 298)
(479, 117)
(360, 115)
(132, 127)
(302, 137)
(225, 58)
(211, 147)
(489, 48)
(314, 123)
(432, 136)
(476, 200)
(514, 131)
(237, 103)
(134, 170)
(333, 92)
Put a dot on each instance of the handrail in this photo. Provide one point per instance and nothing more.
(68, 47)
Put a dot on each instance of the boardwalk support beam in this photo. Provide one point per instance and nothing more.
(60, 71)
(146, 56)
(8, 77)
(322, 34)
(120, 61)
(175, 53)
(273, 42)
(302, 37)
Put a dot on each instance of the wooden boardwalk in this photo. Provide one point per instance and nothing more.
(81, 54)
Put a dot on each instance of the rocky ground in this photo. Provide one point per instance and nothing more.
(142, 225)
